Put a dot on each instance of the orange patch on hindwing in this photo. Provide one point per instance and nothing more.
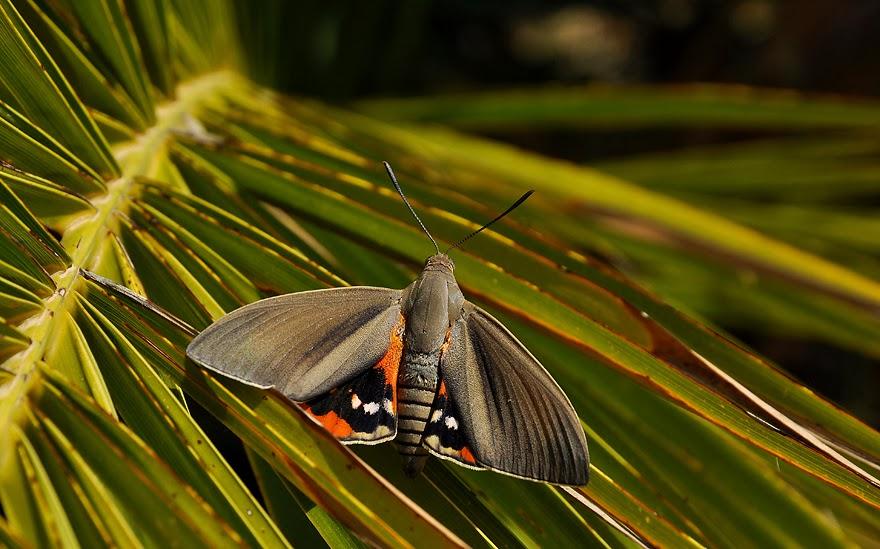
(390, 363)
(467, 456)
(337, 426)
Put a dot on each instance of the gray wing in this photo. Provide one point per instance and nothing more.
(302, 344)
(512, 414)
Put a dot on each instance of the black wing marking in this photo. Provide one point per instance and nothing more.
(360, 411)
(514, 416)
(444, 434)
(303, 344)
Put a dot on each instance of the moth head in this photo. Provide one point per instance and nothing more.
(440, 262)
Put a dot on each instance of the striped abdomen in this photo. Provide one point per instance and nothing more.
(416, 388)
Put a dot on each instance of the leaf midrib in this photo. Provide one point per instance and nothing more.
(136, 159)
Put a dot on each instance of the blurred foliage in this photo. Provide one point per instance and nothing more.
(148, 188)
(348, 49)
(807, 175)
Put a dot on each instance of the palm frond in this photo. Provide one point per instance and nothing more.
(148, 188)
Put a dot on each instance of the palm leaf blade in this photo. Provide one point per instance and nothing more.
(149, 189)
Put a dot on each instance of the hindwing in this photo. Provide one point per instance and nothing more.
(444, 434)
(364, 410)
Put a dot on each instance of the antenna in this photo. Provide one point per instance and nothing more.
(505, 212)
(405, 201)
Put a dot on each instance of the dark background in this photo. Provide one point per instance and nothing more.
(347, 51)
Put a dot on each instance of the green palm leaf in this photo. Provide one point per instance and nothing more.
(148, 188)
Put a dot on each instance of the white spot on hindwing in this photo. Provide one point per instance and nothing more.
(355, 402)
(435, 417)
(389, 406)
(371, 407)
(451, 423)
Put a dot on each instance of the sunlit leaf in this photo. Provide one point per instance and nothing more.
(147, 188)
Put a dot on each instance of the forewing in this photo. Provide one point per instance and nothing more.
(303, 344)
(364, 410)
(513, 415)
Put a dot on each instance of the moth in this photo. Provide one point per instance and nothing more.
(422, 367)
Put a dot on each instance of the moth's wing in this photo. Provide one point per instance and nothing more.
(363, 410)
(303, 344)
(512, 414)
(444, 434)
